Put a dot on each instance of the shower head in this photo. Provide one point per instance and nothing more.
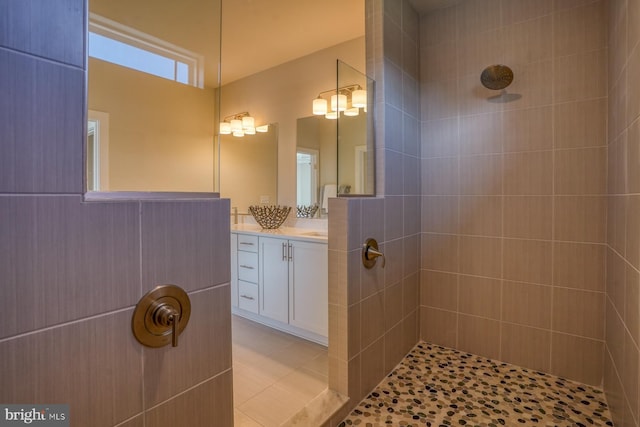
(496, 77)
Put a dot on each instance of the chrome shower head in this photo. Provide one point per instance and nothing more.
(496, 77)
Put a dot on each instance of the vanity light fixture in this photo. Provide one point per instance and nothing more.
(347, 100)
(241, 124)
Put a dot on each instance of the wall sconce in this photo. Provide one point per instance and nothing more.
(347, 100)
(241, 124)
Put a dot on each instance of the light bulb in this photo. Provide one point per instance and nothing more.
(319, 106)
(331, 115)
(359, 98)
(225, 128)
(352, 111)
(248, 122)
(238, 133)
(236, 125)
(338, 102)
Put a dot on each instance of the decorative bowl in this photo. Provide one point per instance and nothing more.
(270, 216)
(306, 211)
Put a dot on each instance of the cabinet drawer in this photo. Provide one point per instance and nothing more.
(248, 266)
(247, 243)
(248, 296)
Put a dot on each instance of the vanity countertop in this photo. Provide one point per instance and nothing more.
(309, 234)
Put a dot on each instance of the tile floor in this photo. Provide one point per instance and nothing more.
(437, 386)
(274, 374)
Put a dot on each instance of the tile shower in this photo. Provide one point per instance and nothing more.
(529, 232)
(552, 180)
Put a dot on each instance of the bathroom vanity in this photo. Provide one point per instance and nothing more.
(280, 278)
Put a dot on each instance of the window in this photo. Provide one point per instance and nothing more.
(116, 43)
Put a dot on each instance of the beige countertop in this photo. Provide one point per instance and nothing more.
(309, 234)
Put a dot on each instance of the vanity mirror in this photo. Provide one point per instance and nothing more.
(249, 169)
(152, 88)
(335, 146)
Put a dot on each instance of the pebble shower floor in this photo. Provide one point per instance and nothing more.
(438, 386)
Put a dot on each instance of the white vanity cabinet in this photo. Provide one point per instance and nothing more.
(291, 283)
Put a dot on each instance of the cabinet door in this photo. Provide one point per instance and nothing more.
(234, 269)
(308, 293)
(274, 283)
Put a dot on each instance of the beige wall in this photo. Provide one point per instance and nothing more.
(514, 193)
(283, 94)
(161, 133)
(72, 271)
(623, 232)
(250, 168)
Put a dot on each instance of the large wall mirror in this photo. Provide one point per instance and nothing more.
(152, 90)
(277, 56)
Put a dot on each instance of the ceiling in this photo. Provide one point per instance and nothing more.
(426, 6)
(259, 34)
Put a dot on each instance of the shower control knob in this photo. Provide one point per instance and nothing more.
(161, 316)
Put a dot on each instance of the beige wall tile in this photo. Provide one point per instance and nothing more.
(172, 231)
(440, 214)
(527, 260)
(440, 176)
(479, 336)
(580, 76)
(579, 265)
(438, 27)
(477, 50)
(439, 290)
(438, 326)
(528, 217)
(528, 41)
(52, 252)
(481, 134)
(411, 293)
(580, 218)
(633, 89)
(440, 138)
(617, 227)
(480, 296)
(528, 173)
(616, 276)
(528, 130)
(524, 10)
(478, 16)
(442, 102)
(46, 366)
(578, 358)
(410, 330)
(629, 373)
(473, 98)
(527, 347)
(168, 371)
(580, 171)
(393, 312)
(342, 324)
(481, 215)
(578, 312)
(481, 256)
(198, 406)
(613, 390)
(527, 304)
(372, 365)
(393, 347)
(615, 332)
(631, 236)
(581, 29)
(372, 320)
(581, 124)
(481, 175)
(633, 158)
(440, 252)
(532, 83)
(438, 61)
(632, 303)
